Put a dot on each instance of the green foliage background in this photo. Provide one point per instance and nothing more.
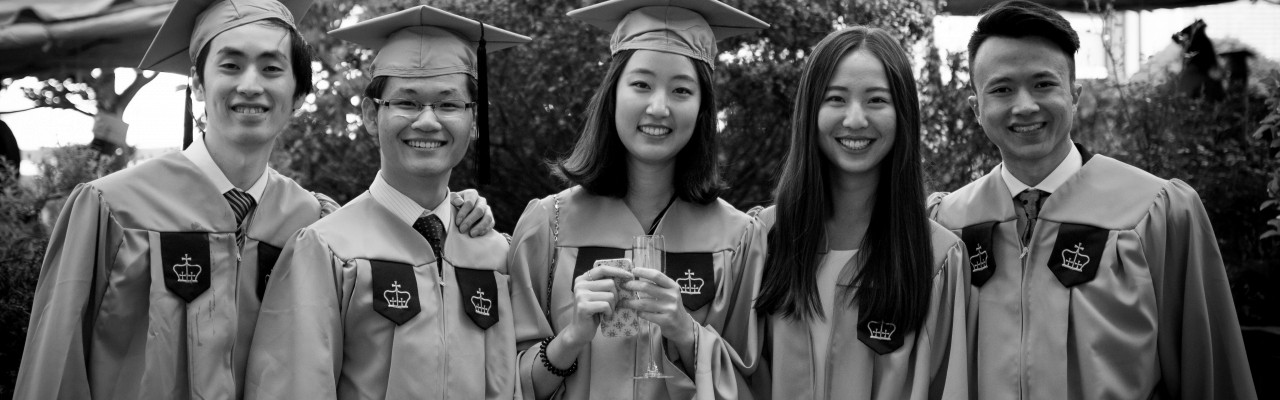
(539, 90)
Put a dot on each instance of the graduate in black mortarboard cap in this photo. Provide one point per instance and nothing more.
(645, 163)
(382, 299)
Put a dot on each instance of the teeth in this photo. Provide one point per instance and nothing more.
(424, 144)
(654, 130)
(1027, 128)
(855, 144)
(250, 109)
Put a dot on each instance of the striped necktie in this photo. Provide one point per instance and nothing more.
(242, 204)
(1028, 211)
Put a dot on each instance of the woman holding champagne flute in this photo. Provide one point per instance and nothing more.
(644, 165)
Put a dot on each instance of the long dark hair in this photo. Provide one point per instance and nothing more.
(894, 282)
(598, 161)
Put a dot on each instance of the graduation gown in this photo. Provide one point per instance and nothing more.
(1121, 294)
(714, 252)
(143, 293)
(361, 308)
(931, 363)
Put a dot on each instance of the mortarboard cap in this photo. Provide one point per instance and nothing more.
(192, 24)
(685, 27)
(423, 42)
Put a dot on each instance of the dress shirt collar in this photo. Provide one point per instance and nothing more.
(199, 155)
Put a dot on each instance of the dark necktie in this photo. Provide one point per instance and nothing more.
(242, 204)
(1028, 209)
(432, 229)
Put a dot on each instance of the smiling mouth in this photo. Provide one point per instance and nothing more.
(654, 130)
(1027, 128)
(424, 144)
(855, 144)
(251, 110)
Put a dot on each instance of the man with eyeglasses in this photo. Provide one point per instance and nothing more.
(380, 299)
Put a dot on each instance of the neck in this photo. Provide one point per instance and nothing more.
(241, 164)
(1033, 171)
(428, 192)
(852, 200)
(649, 189)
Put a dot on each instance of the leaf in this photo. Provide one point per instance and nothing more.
(1270, 233)
(1267, 203)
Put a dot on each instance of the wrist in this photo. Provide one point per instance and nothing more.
(685, 337)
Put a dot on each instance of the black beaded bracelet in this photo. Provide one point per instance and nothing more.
(542, 353)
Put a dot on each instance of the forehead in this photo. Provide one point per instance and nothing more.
(253, 40)
(660, 63)
(859, 67)
(1006, 57)
(443, 85)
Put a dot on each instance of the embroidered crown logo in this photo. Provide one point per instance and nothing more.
(979, 259)
(480, 303)
(1077, 260)
(881, 330)
(395, 297)
(187, 272)
(690, 284)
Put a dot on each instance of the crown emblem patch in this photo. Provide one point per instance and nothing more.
(394, 288)
(1077, 260)
(479, 295)
(480, 303)
(977, 239)
(395, 297)
(695, 274)
(880, 335)
(184, 262)
(689, 284)
(979, 260)
(187, 272)
(1077, 253)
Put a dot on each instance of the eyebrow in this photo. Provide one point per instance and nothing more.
(646, 71)
(869, 90)
(1037, 75)
(235, 52)
(413, 92)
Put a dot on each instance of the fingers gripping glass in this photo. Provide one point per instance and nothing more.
(444, 109)
(649, 251)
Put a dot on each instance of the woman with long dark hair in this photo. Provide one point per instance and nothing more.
(865, 296)
(645, 164)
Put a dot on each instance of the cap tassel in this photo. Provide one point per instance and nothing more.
(482, 148)
(186, 124)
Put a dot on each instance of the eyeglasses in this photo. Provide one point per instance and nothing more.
(409, 108)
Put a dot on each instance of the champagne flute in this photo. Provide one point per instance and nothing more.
(648, 251)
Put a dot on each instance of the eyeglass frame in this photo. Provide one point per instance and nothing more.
(423, 106)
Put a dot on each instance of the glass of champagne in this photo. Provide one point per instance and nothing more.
(648, 251)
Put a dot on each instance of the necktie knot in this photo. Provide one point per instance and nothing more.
(1030, 200)
(432, 229)
(241, 203)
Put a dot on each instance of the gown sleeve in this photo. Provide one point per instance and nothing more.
(297, 344)
(726, 358)
(72, 279)
(529, 261)
(948, 325)
(1201, 351)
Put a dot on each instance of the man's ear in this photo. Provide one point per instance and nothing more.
(973, 105)
(196, 87)
(369, 116)
(1076, 91)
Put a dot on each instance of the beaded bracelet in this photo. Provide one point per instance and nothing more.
(542, 353)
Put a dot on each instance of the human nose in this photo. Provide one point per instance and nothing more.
(658, 106)
(426, 120)
(854, 117)
(250, 83)
(1024, 103)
